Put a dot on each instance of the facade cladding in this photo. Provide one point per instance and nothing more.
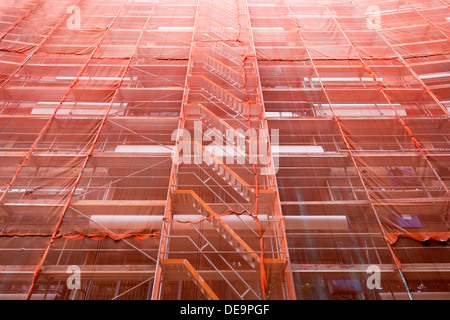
(232, 149)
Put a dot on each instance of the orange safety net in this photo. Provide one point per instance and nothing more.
(101, 108)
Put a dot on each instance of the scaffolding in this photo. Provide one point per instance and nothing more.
(223, 99)
(232, 149)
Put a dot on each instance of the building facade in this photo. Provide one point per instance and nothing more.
(224, 150)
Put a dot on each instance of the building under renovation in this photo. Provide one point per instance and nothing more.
(224, 149)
